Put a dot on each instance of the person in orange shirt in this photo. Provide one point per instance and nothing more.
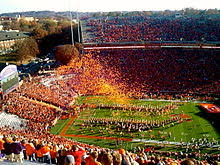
(53, 154)
(39, 155)
(1, 144)
(30, 151)
(92, 159)
(45, 151)
(77, 152)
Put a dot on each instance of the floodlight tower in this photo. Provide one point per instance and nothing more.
(71, 24)
(78, 26)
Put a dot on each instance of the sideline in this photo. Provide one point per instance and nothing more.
(182, 101)
(98, 137)
(172, 143)
(61, 128)
(64, 130)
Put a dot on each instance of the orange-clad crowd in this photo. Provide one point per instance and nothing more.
(51, 149)
(33, 142)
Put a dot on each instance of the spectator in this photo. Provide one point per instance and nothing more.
(69, 160)
(107, 158)
(92, 159)
(45, 151)
(8, 149)
(117, 158)
(30, 151)
(77, 152)
(61, 156)
(125, 157)
(17, 149)
(187, 162)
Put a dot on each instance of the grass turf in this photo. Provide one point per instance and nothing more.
(59, 126)
(199, 126)
(132, 146)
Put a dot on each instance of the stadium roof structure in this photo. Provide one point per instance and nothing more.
(8, 35)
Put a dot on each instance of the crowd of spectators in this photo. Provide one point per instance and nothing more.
(34, 142)
(31, 110)
(61, 151)
(42, 106)
(143, 28)
(142, 70)
(57, 92)
(164, 70)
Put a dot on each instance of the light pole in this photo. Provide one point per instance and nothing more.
(79, 37)
(71, 24)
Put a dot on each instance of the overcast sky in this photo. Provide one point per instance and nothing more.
(104, 5)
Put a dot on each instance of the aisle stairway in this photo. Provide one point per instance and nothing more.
(11, 120)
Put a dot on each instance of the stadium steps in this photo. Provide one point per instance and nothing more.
(14, 121)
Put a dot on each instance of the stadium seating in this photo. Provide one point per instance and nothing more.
(11, 121)
(164, 70)
(149, 71)
(144, 28)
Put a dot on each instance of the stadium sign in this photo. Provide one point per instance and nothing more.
(9, 79)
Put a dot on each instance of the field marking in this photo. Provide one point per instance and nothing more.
(64, 130)
(97, 137)
(72, 119)
(69, 124)
(61, 127)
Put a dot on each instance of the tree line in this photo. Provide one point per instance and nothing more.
(45, 34)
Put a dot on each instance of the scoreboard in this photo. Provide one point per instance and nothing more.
(9, 79)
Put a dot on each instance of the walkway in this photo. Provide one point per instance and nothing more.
(42, 103)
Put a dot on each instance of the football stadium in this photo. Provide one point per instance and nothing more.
(144, 91)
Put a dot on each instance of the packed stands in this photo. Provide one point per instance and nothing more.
(42, 100)
(55, 150)
(144, 28)
(38, 145)
(165, 70)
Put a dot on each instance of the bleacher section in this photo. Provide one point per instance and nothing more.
(11, 121)
(144, 28)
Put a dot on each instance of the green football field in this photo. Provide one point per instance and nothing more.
(196, 125)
